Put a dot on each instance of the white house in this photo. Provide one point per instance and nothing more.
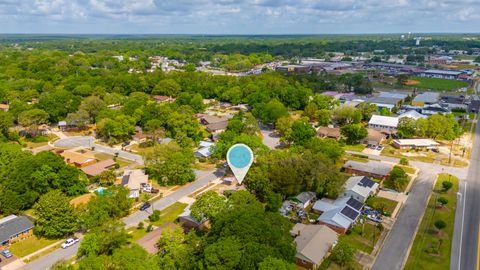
(360, 188)
(383, 123)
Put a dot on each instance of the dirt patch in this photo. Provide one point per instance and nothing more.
(411, 82)
(85, 198)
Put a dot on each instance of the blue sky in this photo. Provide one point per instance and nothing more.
(238, 16)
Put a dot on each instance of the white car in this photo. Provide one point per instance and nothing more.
(69, 242)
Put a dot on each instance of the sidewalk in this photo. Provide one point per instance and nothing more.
(20, 262)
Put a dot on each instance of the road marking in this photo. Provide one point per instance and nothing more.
(478, 246)
(464, 199)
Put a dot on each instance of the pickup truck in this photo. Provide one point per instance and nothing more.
(69, 242)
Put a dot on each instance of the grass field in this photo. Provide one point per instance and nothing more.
(355, 147)
(169, 214)
(438, 84)
(29, 245)
(381, 203)
(431, 250)
(363, 242)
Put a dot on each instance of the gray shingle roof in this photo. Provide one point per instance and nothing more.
(370, 167)
(12, 225)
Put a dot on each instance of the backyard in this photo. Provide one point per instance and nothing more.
(381, 204)
(432, 247)
(363, 237)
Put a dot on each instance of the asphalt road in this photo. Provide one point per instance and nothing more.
(395, 249)
(87, 142)
(466, 234)
(270, 138)
(203, 178)
(47, 261)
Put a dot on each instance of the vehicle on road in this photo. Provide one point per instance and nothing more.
(145, 206)
(69, 242)
(6, 253)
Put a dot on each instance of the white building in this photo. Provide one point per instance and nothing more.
(383, 123)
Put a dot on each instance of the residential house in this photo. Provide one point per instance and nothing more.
(415, 144)
(14, 228)
(371, 168)
(217, 128)
(4, 107)
(426, 98)
(313, 243)
(360, 188)
(304, 199)
(133, 180)
(374, 137)
(413, 115)
(99, 167)
(385, 124)
(211, 119)
(188, 222)
(205, 149)
(339, 215)
(328, 132)
(294, 68)
(78, 159)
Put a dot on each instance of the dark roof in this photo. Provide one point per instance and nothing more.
(125, 179)
(435, 109)
(350, 213)
(366, 182)
(306, 196)
(13, 225)
(354, 204)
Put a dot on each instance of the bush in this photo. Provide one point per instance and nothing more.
(146, 144)
(442, 200)
(404, 161)
(155, 216)
(446, 185)
(39, 139)
(149, 228)
(440, 224)
(141, 226)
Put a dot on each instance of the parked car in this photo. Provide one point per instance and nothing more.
(380, 147)
(125, 144)
(145, 206)
(6, 253)
(147, 188)
(69, 242)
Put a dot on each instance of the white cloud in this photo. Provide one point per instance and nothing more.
(239, 16)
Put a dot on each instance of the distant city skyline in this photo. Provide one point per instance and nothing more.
(239, 16)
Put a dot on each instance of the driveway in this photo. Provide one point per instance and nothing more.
(203, 179)
(88, 142)
(270, 138)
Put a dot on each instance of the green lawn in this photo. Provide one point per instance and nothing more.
(355, 147)
(438, 84)
(381, 204)
(364, 242)
(29, 245)
(390, 185)
(137, 233)
(423, 254)
(170, 213)
(407, 169)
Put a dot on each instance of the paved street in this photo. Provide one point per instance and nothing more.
(395, 249)
(203, 178)
(45, 262)
(87, 142)
(466, 234)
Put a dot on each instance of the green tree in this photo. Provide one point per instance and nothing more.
(104, 240)
(275, 264)
(116, 130)
(208, 205)
(402, 79)
(167, 87)
(447, 185)
(398, 177)
(92, 105)
(353, 133)
(55, 216)
(31, 119)
(440, 225)
(302, 132)
(345, 115)
(323, 117)
(6, 122)
(343, 254)
(443, 201)
(225, 253)
(270, 112)
(406, 127)
(367, 110)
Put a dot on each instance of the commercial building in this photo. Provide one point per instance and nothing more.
(415, 144)
(442, 74)
(426, 98)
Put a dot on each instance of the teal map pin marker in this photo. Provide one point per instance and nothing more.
(240, 158)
